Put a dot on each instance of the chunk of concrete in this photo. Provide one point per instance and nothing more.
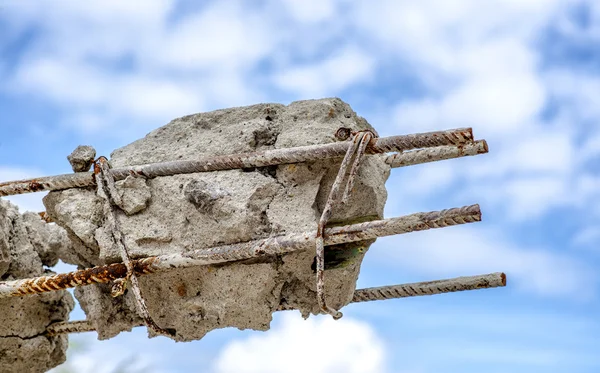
(82, 158)
(30, 243)
(135, 194)
(193, 211)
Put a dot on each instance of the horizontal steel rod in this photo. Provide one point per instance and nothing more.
(246, 250)
(439, 153)
(411, 158)
(431, 287)
(491, 280)
(244, 160)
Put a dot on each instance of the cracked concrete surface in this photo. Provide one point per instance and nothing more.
(185, 212)
(27, 244)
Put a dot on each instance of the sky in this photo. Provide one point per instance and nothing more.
(524, 74)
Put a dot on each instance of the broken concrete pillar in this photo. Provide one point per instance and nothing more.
(179, 213)
(27, 244)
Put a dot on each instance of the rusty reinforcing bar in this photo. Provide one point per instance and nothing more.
(412, 149)
(411, 158)
(277, 245)
(464, 283)
(461, 139)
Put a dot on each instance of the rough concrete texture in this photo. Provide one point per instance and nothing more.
(82, 158)
(186, 212)
(28, 244)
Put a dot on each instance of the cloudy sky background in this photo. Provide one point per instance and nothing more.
(523, 73)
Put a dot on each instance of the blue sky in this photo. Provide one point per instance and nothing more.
(524, 74)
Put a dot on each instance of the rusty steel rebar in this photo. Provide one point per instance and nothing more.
(240, 161)
(464, 283)
(410, 158)
(277, 245)
(430, 287)
(437, 153)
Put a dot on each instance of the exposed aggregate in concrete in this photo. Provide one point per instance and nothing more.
(27, 244)
(185, 212)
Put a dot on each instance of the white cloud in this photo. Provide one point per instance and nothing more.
(95, 30)
(588, 237)
(87, 355)
(324, 78)
(459, 251)
(499, 103)
(151, 98)
(62, 82)
(577, 93)
(494, 105)
(90, 92)
(121, 66)
(315, 345)
(225, 34)
(495, 89)
(524, 177)
(481, 68)
(312, 11)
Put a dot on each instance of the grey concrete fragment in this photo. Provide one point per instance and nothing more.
(82, 158)
(192, 211)
(79, 212)
(135, 194)
(4, 245)
(37, 354)
(48, 240)
(23, 345)
(95, 300)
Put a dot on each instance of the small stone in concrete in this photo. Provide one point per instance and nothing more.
(82, 158)
(135, 194)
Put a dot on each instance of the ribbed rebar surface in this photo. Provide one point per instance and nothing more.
(95, 275)
(361, 295)
(246, 250)
(404, 224)
(245, 160)
(429, 288)
(438, 153)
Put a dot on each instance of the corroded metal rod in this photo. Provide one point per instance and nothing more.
(414, 157)
(247, 250)
(244, 160)
(438, 153)
(431, 287)
(491, 280)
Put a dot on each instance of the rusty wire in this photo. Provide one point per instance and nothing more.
(464, 283)
(278, 245)
(355, 151)
(239, 161)
(108, 192)
(45, 217)
(363, 140)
